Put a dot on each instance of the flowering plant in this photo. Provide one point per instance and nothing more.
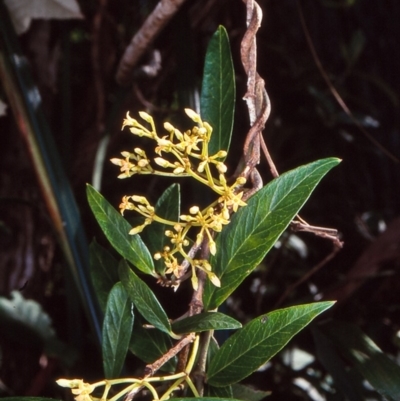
(217, 247)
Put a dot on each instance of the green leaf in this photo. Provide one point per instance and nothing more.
(380, 371)
(116, 229)
(348, 382)
(259, 341)
(205, 321)
(167, 207)
(222, 392)
(256, 227)
(103, 271)
(117, 329)
(25, 322)
(246, 393)
(217, 101)
(149, 345)
(144, 299)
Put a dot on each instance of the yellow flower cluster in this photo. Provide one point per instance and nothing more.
(190, 158)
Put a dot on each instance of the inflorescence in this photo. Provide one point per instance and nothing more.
(188, 158)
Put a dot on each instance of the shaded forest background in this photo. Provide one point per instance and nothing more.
(74, 62)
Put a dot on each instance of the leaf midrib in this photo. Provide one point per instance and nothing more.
(256, 344)
(258, 225)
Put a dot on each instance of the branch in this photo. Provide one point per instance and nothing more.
(154, 23)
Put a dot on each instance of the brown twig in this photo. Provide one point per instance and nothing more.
(310, 273)
(257, 101)
(160, 16)
(155, 366)
(323, 232)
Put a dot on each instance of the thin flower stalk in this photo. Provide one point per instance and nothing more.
(182, 154)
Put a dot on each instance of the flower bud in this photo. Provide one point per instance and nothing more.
(169, 127)
(162, 162)
(214, 279)
(140, 199)
(193, 115)
(194, 210)
(222, 168)
(213, 248)
(146, 117)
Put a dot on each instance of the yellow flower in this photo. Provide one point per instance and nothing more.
(126, 205)
(80, 389)
(228, 196)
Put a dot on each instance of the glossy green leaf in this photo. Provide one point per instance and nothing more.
(144, 299)
(217, 101)
(167, 207)
(376, 367)
(116, 229)
(205, 321)
(259, 341)
(149, 345)
(103, 271)
(256, 227)
(117, 329)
